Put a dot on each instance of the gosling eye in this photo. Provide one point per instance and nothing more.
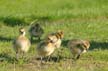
(21, 32)
(48, 38)
(51, 41)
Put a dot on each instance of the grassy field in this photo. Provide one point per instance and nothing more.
(84, 19)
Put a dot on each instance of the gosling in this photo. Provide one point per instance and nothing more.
(56, 39)
(78, 46)
(36, 31)
(21, 44)
(45, 48)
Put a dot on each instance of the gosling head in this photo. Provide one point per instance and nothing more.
(52, 38)
(86, 44)
(22, 31)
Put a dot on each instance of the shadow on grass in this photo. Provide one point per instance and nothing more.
(10, 21)
(64, 43)
(44, 18)
(13, 21)
(35, 41)
(98, 45)
(5, 39)
(93, 44)
(52, 58)
(6, 57)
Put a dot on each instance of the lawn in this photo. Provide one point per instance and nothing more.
(83, 19)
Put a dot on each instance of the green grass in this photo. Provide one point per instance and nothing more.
(24, 11)
(84, 19)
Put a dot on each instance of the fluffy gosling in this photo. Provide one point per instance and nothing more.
(36, 31)
(77, 47)
(45, 48)
(56, 39)
(21, 44)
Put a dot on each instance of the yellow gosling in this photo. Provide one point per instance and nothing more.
(21, 43)
(45, 48)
